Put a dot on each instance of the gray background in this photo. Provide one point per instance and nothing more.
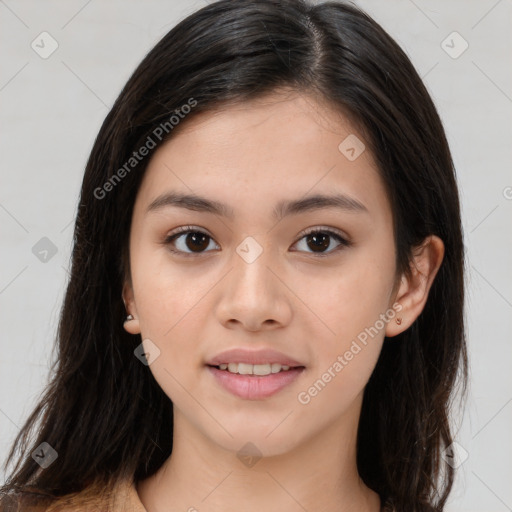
(51, 110)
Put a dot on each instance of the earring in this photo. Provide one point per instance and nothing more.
(398, 320)
(128, 318)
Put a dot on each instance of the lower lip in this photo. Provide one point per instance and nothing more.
(255, 387)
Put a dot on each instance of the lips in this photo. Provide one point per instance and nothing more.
(253, 380)
(254, 387)
(264, 356)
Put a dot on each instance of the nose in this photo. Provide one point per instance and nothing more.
(254, 296)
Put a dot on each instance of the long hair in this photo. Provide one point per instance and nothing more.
(102, 411)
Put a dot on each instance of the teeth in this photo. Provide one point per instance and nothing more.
(244, 369)
(253, 369)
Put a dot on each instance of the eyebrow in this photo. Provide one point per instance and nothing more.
(282, 209)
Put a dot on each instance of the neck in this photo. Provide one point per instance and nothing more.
(318, 475)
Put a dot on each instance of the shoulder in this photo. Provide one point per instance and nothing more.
(26, 500)
(124, 498)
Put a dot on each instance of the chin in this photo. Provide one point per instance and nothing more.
(256, 440)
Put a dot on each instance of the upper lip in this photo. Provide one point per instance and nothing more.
(263, 356)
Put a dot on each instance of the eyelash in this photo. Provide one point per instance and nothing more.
(343, 242)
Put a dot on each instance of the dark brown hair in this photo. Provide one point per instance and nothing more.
(103, 411)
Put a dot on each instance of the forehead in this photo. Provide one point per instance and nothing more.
(282, 145)
(291, 115)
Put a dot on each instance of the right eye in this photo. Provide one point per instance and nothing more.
(188, 240)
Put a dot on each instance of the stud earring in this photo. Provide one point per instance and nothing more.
(128, 318)
(398, 320)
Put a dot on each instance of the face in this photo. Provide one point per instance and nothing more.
(257, 266)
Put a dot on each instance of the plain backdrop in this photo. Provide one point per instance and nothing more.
(52, 109)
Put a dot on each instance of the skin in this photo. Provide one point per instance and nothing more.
(251, 156)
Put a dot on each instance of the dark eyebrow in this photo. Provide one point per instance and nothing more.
(282, 209)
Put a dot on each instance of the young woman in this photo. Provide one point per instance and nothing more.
(265, 308)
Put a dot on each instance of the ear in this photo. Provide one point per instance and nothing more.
(132, 326)
(413, 291)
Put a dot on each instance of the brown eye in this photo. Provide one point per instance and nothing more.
(197, 241)
(319, 241)
(189, 241)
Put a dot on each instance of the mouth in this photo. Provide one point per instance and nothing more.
(254, 381)
(254, 369)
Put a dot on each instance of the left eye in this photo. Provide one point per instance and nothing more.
(321, 239)
(197, 241)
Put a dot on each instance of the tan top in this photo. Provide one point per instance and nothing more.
(125, 499)
(128, 501)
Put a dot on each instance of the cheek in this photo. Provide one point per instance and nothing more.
(346, 352)
(348, 299)
(351, 305)
(169, 315)
(168, 305)
(165, 292)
